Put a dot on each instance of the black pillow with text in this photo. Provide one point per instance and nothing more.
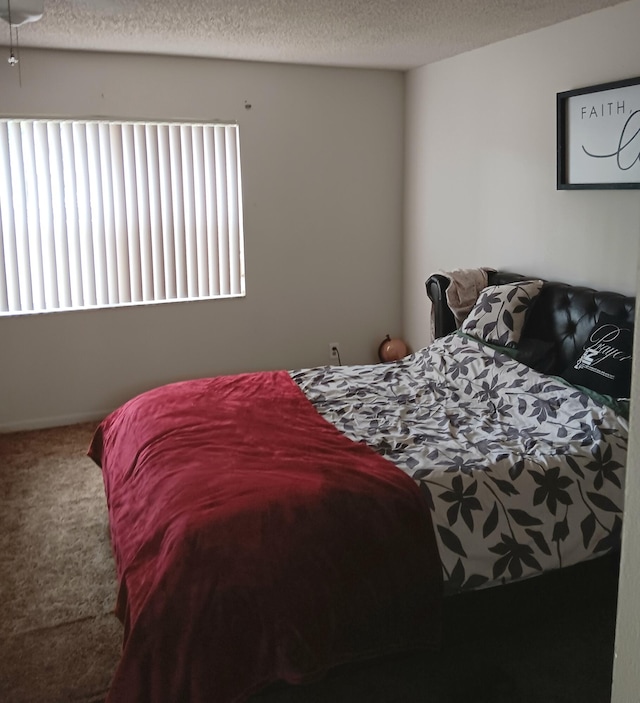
(605, 363)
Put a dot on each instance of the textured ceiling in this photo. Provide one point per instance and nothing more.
(395, 34)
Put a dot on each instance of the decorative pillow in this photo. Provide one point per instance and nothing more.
(500, 312)
(605, 363)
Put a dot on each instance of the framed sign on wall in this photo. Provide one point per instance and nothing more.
(599, 136)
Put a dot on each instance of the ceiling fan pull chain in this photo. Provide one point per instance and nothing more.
(12, 57)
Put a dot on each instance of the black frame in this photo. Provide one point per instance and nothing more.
(562, 138)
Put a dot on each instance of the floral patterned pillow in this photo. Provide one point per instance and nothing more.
(500, 312)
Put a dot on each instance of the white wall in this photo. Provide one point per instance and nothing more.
(322, 158)
(481, 163)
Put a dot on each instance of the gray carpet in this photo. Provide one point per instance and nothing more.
(59, 640)
(546, 640)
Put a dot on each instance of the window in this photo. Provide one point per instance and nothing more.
(102, 213)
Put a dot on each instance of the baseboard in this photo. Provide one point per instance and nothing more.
(41, 423)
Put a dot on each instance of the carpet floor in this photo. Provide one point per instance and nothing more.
(541, 641)
(59, 640)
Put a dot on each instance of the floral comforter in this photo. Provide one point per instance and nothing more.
(522, 472)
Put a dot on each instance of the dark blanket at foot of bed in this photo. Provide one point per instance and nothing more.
(255, 543)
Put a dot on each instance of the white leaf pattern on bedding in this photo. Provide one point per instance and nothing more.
(523, 473)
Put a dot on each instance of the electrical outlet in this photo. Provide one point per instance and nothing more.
(334, 352)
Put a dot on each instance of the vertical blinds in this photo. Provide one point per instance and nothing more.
(96, 213)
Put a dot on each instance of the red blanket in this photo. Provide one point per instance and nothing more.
(254, 542)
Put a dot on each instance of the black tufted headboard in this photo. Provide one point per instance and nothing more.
(563, 314)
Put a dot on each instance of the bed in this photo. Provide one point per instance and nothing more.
(270, 526)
